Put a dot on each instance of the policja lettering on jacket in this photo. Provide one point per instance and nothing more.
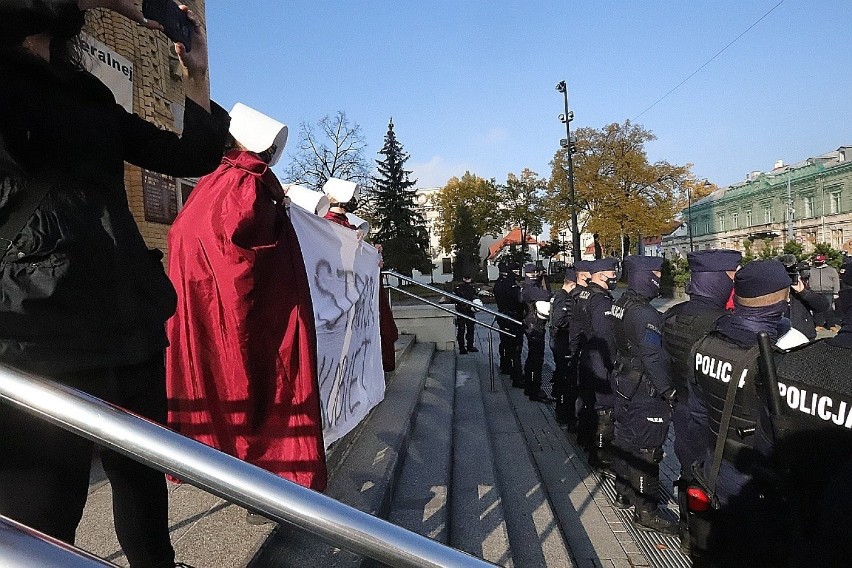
(717, 369)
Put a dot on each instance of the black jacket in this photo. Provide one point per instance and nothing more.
(78, 286)
(468, 292)
(802, 307)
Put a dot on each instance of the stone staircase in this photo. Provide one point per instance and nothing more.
(483, 470)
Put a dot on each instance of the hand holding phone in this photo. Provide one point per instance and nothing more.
(176, 24)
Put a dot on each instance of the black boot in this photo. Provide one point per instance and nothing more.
(622, 501)
(652, 521)
(472, 349)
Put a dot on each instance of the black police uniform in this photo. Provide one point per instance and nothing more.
(507, 295)
(685, 324)
(565, 373)
(642, 382)
(464, 327)
(595, 427)
(534, 329)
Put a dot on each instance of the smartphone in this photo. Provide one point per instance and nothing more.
(175, 22)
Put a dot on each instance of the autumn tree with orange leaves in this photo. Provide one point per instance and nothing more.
(619, 194)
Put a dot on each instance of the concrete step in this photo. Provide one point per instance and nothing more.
(534, 527)
(365, 474)
(420, 502)
(206, 531)
(477, 523)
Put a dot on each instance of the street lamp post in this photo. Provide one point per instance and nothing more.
(566, 143)
(689, 217)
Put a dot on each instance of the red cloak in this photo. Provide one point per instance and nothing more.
(241, 365)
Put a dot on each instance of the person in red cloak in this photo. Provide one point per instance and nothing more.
(241, 366)
(343, 198)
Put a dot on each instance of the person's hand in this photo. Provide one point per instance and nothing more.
(798, 286)
(127, 8)
(194, 62)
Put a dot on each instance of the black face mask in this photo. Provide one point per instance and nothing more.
(611, 283)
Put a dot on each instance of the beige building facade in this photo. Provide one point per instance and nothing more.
(143, 71)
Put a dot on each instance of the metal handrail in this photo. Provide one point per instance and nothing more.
(226, 476)
(451, 311)
(456, 299)
(22, 546)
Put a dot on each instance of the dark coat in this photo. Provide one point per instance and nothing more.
(79, 289)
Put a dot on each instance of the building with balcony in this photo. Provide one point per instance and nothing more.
(809, 202)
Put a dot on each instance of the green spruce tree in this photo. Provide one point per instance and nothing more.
(400, 228)
(465, 244)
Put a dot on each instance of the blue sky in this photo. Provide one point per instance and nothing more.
(471, 85)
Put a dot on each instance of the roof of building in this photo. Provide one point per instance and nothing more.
(513, 237)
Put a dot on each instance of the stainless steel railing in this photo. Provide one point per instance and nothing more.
(226, 476)
(21, 546)
(460, 300)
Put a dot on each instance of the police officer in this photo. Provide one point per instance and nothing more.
(735, 475)
(507, 294)
(643, 385)
(595, 428)
(465, 327)
(813, 446)
(561, 314)
(533, 292)
(503, 350)
(576, 339)
(710, 287)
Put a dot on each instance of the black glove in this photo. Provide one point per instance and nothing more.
(670, 396)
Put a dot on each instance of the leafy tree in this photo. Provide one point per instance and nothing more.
(480, 196)
(332, 148)
(465, 243)
(833, 256)
(513, 254)
(748, 256)
(619, 193)
(521, 202)
(551, 249)
(767, 251)
(399, 226)
(794, 248)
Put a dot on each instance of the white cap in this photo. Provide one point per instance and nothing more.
(313, 201)
(358, 223)
(542, 309)
(340, 190)
(793, 338)
(257, 132)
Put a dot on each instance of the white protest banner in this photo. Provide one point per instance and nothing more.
(343, 273)
(114, 71)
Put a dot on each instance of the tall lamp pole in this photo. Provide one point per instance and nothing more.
(566, 143)
(689, 217)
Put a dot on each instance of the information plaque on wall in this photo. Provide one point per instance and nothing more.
(159, 197)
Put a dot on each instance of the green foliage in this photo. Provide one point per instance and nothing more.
(399, 226)
(748, 256)
(465, 243)
(480, 196)
(833, 256)
(551, 249)
(767, 251)
(522, 204)
(794, 248)
(514, 254)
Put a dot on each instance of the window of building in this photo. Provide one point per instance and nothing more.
(835, 202)
(706, 225)
(721, 222)
(748, 217)
(837, 238)
(735, 220)
(809, 206)
(446, 266)
(767, 213)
